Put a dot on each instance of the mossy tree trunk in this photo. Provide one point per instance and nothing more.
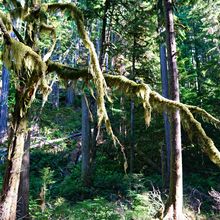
(175, 203)
(11, 182)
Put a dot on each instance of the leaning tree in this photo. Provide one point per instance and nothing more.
(31, 70)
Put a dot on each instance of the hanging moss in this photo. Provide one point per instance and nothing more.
(45, 89)
(6, 20)
(95, 69)
(66, 72)
(205, 115)
(18, 56)
(192, 126)
(29, 69)
(141, 91)
(151, 99)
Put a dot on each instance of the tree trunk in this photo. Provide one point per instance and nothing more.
(86, 151)
(132, 107)
(97, 40)
(175, 203)
(55, 95)
(4, 102)
(132, 141)
(103, 36)
(70, 93)
(198, 69)
(165, 93)
(23, 192)
(17, 136)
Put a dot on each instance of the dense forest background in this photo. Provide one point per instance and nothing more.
(72, 168)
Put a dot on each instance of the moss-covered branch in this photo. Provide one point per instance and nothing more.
(95, 69)
(29, 70)
(66, 72)
(159, 103)
(205, 115)
(4, 31)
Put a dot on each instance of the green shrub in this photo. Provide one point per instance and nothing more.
(98, 208)
(145, 206)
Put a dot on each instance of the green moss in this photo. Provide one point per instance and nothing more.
(6, 20)
(95, 69)
(18, 56)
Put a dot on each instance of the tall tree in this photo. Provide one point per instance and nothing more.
(175, 203)
(86, 143)
(69, 93)
(165, 93)
(103, 35)
(23, 192)
(4, 102)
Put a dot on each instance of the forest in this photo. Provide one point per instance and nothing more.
(109, 109)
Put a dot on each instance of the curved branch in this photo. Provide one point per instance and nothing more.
(191, 125)
(67, 72)
(158, 102)
(49, 28)
(96, 72)
(205, 115)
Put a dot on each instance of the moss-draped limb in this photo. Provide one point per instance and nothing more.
(192, 126)
(6, 21)
(205, 115)
(6, 35)
(29, 70)
(67, 72)
(17, 56)
(158, 103)
(96, 72)
(130, 87)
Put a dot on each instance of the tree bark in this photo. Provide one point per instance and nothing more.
(23, 192)
(55, 95)
(17, 136)
(70, 93)
(86, 151)
(175, 203)
(132, 107)
(103, 36)
(198, 69)
(132, 141)
(4, 102)
(165, 93)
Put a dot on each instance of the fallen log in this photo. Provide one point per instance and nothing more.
(51, 142)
